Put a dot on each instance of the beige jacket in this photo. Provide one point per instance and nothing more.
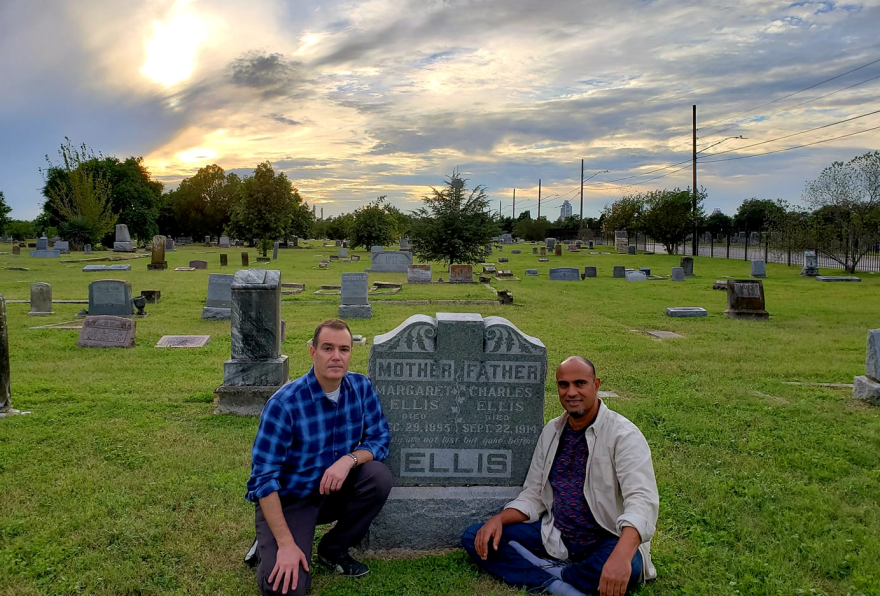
(620, 487)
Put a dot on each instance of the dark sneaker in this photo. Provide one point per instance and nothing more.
(344, 564)
(252, 558)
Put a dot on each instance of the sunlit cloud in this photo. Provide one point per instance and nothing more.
(171, 51)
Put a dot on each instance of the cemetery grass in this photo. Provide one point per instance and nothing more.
(123, 481)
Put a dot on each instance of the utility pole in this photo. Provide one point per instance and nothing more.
(539, 198)
(695, 245)
(582, 196)
(514, 205)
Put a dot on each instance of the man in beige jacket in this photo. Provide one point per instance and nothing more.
(588, 509)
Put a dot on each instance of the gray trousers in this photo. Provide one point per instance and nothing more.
(353, 508)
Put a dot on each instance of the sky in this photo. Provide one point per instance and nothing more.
(357, 99)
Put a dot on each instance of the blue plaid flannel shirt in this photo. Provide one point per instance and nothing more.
(302, 433)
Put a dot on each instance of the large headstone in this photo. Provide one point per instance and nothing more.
(110, 297)
(5, 373)
(621, 241)
(218, 306)
(123, 239)
(41, 300)
(464, 397)
(354, 301)
(257, 367)
(106, 332)
(461, 274)
(157, 256)
(418, 274)
(745, 300)
(564, 274)
(811, 264)
(390, 261)
(867, 387)
(759, 268)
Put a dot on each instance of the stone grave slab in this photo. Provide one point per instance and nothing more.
(45, 254)
(842, 278)
(686, 312)
(105, 331)
(41, 300)
(664, 335)
(290, 289)
(184, 268)
(532, 272)
(464, 397)
(183, 341)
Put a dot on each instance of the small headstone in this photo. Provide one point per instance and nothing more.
(636, 276)
(157, 258)
(619, 272)
(198, 264)
(759, 268)
(208, 240)
(677, 274)
(687, 263)
(503, 260)
(183, 341)
(591, 245)
(811, 264)
(224, 259)
(354, 300)
(631, 250)
(461, 274)
(41, 300)
(686, 311)
(63, 246)
(16, 250)
(645, 270)
(404, 244)
(418, 274)
(515, 252)
(543, 251)
(244, 259)
(532, 272)
(558, 250)
(169, 244)
(152, 296)
(837, 278)
(745, 300)
(123, 239)
(867, 387)
(88, 249)
(720, 284)
(505, 297)
(275, 251)
(590, 272)
(264, 260)
(224, 242)
(218, 305)
(110, 297)
(564, 273)
(550, 242)
(355, 258)
(534, 250)
(343, 253)
(106, 332)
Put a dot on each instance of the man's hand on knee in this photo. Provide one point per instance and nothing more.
(285, 574)
(335, 475)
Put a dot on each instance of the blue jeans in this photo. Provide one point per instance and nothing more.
(509, 566)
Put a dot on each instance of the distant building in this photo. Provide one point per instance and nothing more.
(565, 210)
(716, 211)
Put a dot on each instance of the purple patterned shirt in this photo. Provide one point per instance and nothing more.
(572, 515)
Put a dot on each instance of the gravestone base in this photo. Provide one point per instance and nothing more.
(866, 389)
(215, 313)
(46, 254)
(443, 514)
(241, 401)
(355, 311)
(123, 247)
(40, 314)
(755, 315)
(809, 272)
(256, 373)
(157, 266)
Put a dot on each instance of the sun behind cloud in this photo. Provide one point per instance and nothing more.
(171, 51)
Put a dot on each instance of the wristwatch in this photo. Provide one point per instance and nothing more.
(355, 458)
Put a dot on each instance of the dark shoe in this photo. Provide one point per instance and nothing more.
(344, 564)
(252, 558)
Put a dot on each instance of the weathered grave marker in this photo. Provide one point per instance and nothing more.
(244, 259)
(619, 272)
(745, 300)
(418, 274)
(104, 331)
(123, 239)
(811, 264)
(41, 300)
(678, 274)
(157, 257)
(183, 341)
(867, 387)
(198, 264)
(461, 274)
(224, 259)
(687, 263)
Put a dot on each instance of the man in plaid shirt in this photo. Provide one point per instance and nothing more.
(316, 459)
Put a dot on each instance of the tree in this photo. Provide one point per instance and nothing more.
(302, 221)
(532, 230)
(20, 229)
(454, 226)
(4, 214)
(718, 223)
(77, 192)
(668, 216)
(339, 227)
(401, 223)
(201, 204)
(623, 214)
(757, 214)
(372, 225)
(846, 198)
(263, 207)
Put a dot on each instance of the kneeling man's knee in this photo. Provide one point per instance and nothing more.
(380, 477)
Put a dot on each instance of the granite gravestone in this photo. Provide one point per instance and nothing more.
(169, 244)
(106, 332)
(745, 300)
(631, 250)
(218, 306)
(867, 387)
(759, 269)
(811, 264)
(224, 242)
(157, 260)
(464, 397)
(418, 274)
(686, 312)
(590, 272)
(390, 261)
(275, 251)
(198, 264)
(63, 246)
(42, 243)
(461, 274)
(534, 250)
(88, 249)
(564, 273)
(532, 272)
(16, 250)
(257, 367)
(550, 243)
(343, 253)
(354, 302)
(619, 272)
(244, 259)
(687, 263)
(635, 276)
(41, 300)
(5, 373)
(224, 259)
(110, 297)
(123, 239)
(677, 274)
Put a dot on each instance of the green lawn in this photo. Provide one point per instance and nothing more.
(123, 481)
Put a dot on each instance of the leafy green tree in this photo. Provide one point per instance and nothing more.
(668, 215)
(201, 204)
(21, 229)
(263, 207)
(846, 198)
(4, 213)
(718, 223)
(454, 226)
(372, 225)
(532, 230)
(401, 223)
(339, 227)
(757, 214)
(76, 191)
(624, 214)
(302, 221)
